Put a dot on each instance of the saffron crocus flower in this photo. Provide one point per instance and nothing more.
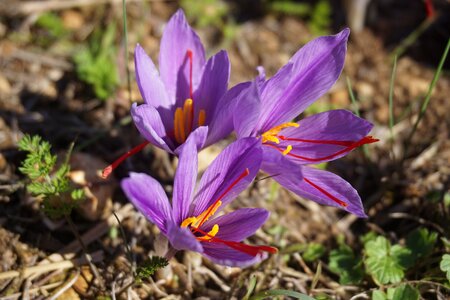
(191, 222)
(265, 111)
(188, 93)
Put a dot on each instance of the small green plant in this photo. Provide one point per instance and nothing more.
(391, 265)
(150, 266)
(318, 15)
(445, 265)
(52, 23)
(206, 12)
(290, 7)
(96, 65)
(346, 264)
(320, 20)
(48, 183)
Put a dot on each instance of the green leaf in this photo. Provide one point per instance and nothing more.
(421, 242)
(406, 292)
(445, 265)
(384, 262)
(379, 295)
(150, 266)
(269, 294)
(313, 252)
(343, 262)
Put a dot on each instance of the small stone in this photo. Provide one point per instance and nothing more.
(72, 19)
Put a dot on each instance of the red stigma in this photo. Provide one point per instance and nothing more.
(340, 202)
(108, 170)
(190, 56)
(429, 8)
(245, 173)
(241, 247)
(349, 146)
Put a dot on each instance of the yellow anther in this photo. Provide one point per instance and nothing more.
(178, 126)
(212, 233)
(287, 150)
(201, 117)
(188, 221)
(271, 134)
(188, 115)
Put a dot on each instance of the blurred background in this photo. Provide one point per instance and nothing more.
(63, 75)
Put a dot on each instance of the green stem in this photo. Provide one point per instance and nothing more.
(427, 98)
(125, 32)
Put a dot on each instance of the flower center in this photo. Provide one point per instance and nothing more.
(194, 224)
(272, 138)
(183, 122)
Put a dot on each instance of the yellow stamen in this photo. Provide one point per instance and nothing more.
(201, 117)
(188, 221)
(188, 114)
(179, 126)
(212, 233)
(176, 125)
(271, 134)
(287, 150)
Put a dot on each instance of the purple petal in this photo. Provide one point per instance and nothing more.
(185, 179)
(325, 136)
(220, 180)
(213, 85)
(315, 68)
(238, 225)
(224, 255)
(177, 39)
(283, 170)
(149, 198)
(272, 90)
(198, 136)
(149, 123)
(150, 85)
(221, 124)
(182, 238)
(329, 189)
(247, 111)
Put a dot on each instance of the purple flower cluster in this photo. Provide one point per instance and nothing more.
(187, 106)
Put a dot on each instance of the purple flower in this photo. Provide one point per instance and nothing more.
(191, 222)
(265, 111)
(187, 96)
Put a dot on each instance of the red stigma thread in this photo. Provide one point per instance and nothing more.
(108, 170)
(190, 56)
(243, 174)
(429, 8)
(248, 249)
(340, 202)
(349, 146)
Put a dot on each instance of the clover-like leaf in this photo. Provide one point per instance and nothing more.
(384, 262)
(421, 242)
(344, 263)
(406, 292)
(445, 265)
(313, 252)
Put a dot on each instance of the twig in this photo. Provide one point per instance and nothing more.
(365, 293)
(33, 7)
(85, 252)
(127, 245)
(66, 264)
(33, 291)
(98, 231)
(65, 287)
